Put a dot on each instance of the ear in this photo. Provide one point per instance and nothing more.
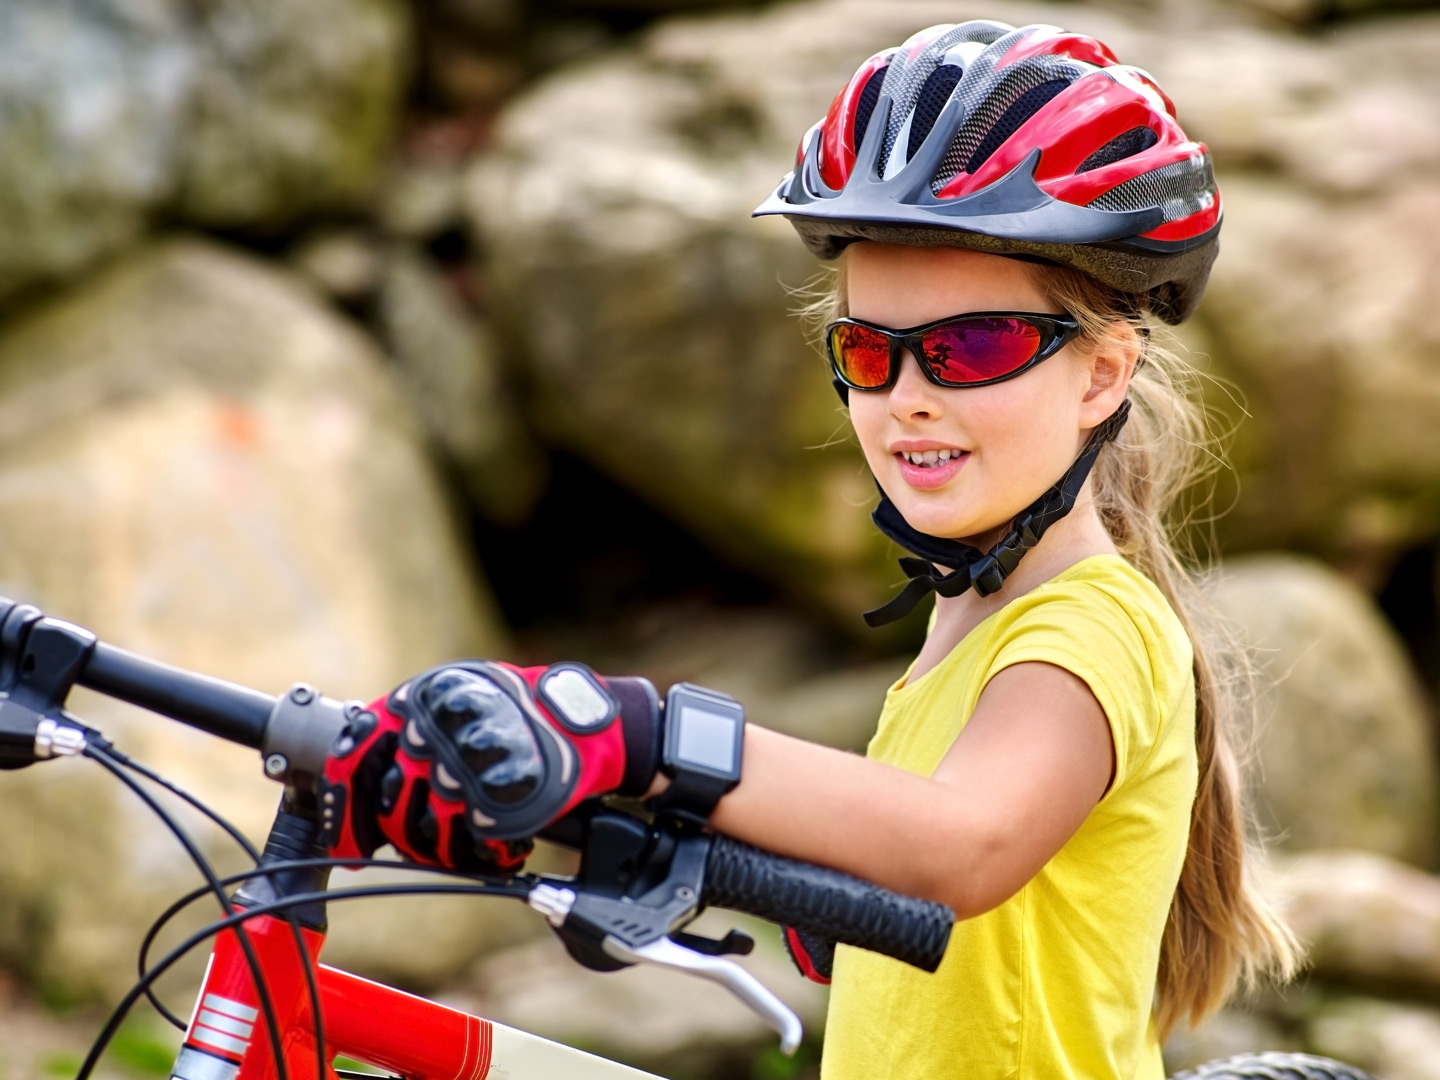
(1107, 372)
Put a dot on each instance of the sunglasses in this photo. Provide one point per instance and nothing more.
(963, 350)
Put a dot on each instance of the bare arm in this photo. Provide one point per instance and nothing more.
(1033, 761)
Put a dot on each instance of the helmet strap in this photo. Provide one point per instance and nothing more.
(985, 572)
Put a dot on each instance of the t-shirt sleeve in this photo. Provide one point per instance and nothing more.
(1089, 634)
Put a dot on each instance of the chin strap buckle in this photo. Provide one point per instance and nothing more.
(985, 573)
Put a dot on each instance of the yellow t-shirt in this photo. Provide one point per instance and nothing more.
(1058, 981)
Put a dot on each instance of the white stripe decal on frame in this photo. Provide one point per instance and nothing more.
(211, 1037)
(225, 1023)
(230, 1008)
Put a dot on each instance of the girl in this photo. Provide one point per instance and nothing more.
(1009, 208)
(1055, 763)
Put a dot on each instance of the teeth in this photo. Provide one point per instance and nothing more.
(929, 458)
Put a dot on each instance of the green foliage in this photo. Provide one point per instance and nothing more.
(62, 1064)
(138, 1049)
(771, 1064)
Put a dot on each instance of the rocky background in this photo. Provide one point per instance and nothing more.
(342, 337)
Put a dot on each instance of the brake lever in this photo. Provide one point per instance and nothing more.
(663, 952)
(638, 884)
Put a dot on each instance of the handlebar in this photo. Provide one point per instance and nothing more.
(832, 905)
(224, 709)
(232, 712)
(604, 923)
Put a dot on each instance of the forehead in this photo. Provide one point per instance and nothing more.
(902, 285)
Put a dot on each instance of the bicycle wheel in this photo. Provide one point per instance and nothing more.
(1273, 1066)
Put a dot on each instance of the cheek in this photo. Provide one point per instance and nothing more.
(868, 417)
(1030, 428)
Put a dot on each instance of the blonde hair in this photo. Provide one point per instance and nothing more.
(1221, 931)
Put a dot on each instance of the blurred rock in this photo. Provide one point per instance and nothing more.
(1229, 1032)
(1366, 920)
(1344, 749)
(293, 107)
(93, 97)
(784, 673)
(1317, 13)
(656, 7)
(420, 943)
(468, 79)
(1395, 1042)
(448, 363)
(645, 1016)
(614, 207)
(482, 19)
(1343, 466)
(346, 263)
(231, 113)
(422, 200)
(204, 465)
(838, 709)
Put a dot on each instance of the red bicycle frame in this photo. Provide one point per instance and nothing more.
(228, 1038)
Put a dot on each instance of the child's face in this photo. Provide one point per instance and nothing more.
(1014, 439)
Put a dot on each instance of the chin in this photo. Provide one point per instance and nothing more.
(938, 521)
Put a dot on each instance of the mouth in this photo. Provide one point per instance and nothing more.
(930, 468)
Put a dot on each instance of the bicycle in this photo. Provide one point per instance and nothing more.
(267, 1009)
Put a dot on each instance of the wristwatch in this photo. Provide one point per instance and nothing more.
(704, 735)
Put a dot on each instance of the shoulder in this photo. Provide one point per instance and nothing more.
(1100, 598)
(1110, 625)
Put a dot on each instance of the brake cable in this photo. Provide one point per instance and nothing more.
(97, 752)
(136, 992)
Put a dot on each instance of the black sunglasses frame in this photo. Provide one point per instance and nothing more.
(1056, 331)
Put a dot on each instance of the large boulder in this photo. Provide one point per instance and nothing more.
(92, 103)
(203, 464)
(232, 113)
(1345, 755)
(1387, 1038)
(1365, 920)
(653, 317)
(448, 362)
(293, 108)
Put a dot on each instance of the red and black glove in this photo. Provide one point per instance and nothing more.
(812, 954)
(462, 765)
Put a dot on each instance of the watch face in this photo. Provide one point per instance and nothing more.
(703, 732)
(708, 739)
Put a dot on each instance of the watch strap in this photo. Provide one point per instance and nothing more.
(692, 796)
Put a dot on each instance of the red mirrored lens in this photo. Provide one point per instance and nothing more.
(979, 349)
(862, 355)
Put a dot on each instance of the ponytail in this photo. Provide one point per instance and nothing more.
(1221, 931)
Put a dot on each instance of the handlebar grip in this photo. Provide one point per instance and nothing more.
(826, 902)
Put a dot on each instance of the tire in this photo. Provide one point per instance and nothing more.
(1273, 1066)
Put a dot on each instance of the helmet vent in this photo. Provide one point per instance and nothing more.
(866, 106)
(1023, 107)
(1179, 189)
(905, 76)
(996, 103)
(933, 96)
(1127, 144)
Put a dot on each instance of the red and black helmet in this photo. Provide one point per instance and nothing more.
(1028, 141)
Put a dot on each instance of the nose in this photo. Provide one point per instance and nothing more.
(914, 397)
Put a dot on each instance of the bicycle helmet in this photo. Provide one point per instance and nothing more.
(1028, 142)
(1032, 142)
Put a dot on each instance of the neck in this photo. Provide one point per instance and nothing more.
(1075, 537)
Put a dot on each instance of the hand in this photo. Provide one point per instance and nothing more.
(462, 765)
